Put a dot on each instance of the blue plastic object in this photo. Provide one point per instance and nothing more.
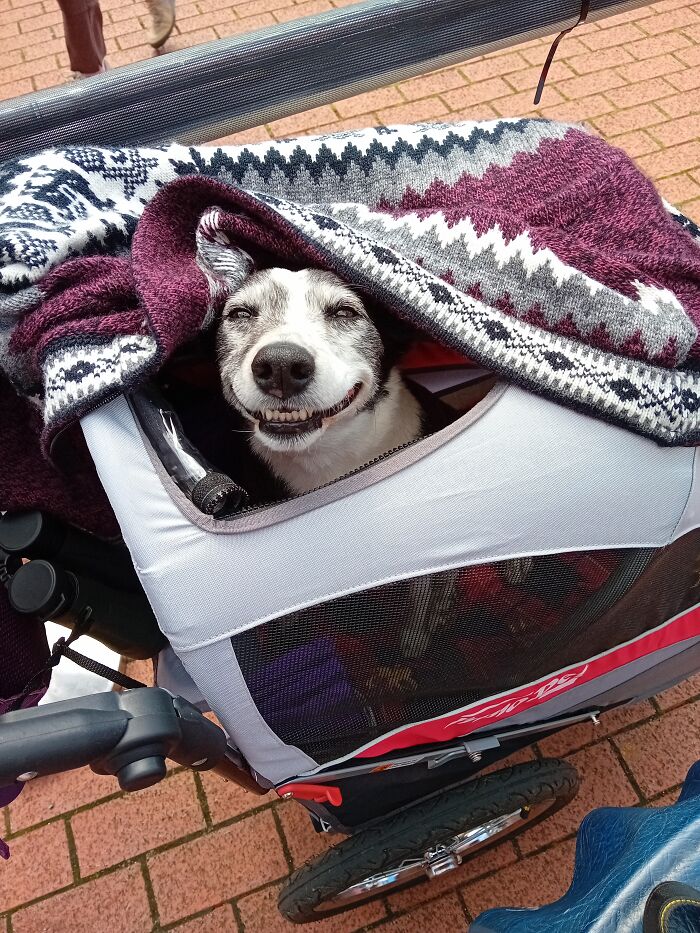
(621, 855)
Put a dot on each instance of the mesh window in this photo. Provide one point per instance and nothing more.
(338, 675)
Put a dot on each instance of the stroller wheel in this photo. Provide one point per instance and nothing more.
(428, 839)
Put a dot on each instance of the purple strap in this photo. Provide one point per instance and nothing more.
(585, 7)
(7, 795)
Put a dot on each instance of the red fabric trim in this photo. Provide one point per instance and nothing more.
(430, 354)
(491, 711)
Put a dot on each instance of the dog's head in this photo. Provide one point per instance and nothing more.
(298, 354)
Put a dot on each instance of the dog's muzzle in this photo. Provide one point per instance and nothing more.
(287, 421)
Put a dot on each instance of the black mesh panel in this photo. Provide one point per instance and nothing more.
(338, 675)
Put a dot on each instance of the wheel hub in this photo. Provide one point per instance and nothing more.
(439, 863)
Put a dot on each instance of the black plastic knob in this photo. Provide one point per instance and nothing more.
(142, 773)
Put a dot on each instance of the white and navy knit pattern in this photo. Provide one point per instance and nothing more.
(380, 206)
(95, 371)
(649, 399)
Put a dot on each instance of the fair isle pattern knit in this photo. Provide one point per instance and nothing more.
(532, 247)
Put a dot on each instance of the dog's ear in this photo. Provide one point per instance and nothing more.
(225, 265)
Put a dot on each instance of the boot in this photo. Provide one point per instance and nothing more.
(79, 75)
(162, 21)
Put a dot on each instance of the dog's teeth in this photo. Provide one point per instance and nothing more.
(302, 414)
(268, 414)
(296, 416)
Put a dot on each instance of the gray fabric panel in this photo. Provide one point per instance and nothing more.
(528, 477)
(197, 581)
(691, 513)
(216, 670)
(620, 684)
(666, 672)
(172, 676)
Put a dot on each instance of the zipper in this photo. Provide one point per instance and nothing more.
(250, 509)
(87, 410)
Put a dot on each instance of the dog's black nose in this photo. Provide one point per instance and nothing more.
(283, 369)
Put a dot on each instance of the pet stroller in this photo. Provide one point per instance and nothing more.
(377, 709)
(375, 647)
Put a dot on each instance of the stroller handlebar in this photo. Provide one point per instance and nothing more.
(42, 741)
(127, 734)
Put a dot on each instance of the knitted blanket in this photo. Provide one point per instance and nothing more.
(533, 247)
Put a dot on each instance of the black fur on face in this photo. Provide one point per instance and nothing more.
(397, 338)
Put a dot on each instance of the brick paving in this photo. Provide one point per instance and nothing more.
(197, 855)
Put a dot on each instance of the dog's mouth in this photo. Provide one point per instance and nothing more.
(277, 421)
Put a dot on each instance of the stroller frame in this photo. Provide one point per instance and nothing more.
(398, 780)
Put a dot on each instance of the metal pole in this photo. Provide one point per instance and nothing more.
(219, 88)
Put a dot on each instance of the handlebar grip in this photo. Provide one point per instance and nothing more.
(45, 741)
(127, 734)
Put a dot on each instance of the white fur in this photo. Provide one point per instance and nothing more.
(289, 308)
(350, 444)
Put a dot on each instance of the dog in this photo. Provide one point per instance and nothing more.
(303, 361)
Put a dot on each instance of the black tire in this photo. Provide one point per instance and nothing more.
(549, 784)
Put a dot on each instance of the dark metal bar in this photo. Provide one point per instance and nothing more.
(219, 88)
(127, 734)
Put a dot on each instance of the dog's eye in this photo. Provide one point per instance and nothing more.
(241, 312)
(342, 310)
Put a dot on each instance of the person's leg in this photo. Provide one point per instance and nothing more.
(82, 24)
(162, 21)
